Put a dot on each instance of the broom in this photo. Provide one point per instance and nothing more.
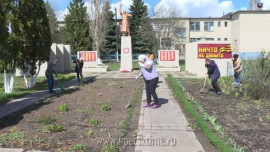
(61, 85)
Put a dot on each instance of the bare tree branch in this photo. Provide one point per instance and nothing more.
(166, 25)
(98, 22)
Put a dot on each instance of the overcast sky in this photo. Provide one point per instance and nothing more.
(187, 8)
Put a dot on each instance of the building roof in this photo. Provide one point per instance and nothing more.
(250, 11)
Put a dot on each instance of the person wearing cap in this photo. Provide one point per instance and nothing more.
(237, 67)
(151, 77)
(49, 75)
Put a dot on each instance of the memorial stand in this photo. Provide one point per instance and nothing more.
(126, 54)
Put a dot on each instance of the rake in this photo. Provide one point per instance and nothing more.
(128, 105)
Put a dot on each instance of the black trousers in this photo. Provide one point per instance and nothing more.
(151, 86)
(78, 75)
(215, 86)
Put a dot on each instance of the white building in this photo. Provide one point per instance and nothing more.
(246, 31)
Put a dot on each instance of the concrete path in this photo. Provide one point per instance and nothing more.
(165, 129)
(18, 104)
(121, 75)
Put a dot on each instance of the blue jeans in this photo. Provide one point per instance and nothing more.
(237, 77)
(50, 80)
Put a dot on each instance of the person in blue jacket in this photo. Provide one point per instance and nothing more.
(213, 73)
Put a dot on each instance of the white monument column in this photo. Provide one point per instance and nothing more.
(126, 54)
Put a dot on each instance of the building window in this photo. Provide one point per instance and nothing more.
(209, 39)
(208, 26)
(181, 32)
(195, 39)
(225, 39)
(219, 24)
(195, 26)
(226, 24)
(219, 39)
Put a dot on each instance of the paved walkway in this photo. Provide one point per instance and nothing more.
(120, 75)
(165, 129)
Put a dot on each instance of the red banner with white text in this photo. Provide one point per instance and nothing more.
(89, 56)
(214, 51)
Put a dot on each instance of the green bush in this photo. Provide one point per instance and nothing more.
(257, 74)
(105, 107)
(90, 133)
(63, 107)
(78, 147)
(46, 120)
(94, 121)
(109, 148)
(54, 128)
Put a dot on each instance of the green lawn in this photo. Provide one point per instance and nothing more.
(115, 66)
(182, 65)
(20, 89)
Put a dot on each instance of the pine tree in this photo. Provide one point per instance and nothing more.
(53, 25)
(139, 26)
(77, 28)
(3, 32)
(110, 35)
(31, 35)
(148, 36)
(3, 25)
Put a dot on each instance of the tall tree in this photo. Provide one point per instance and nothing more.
(3, 26)
(110, 34)
(148, 36)
(138, 26)
(31, 33)
(98, 23)
(8, 55)
(167, 26)
(77, 29)
(52, 21)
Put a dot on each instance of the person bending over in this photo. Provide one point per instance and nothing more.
(213, 73)
(151, 77)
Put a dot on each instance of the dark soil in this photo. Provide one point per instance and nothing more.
(245, 120)
(83, 105)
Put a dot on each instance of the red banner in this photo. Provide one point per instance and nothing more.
(167, 55)
(89, 56)
(216, 51)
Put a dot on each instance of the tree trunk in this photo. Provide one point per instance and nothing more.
(33, 78)
(8, 83)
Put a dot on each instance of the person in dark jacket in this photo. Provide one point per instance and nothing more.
(81, 63)
(78, 69)
(49, 75)
(213, 73)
